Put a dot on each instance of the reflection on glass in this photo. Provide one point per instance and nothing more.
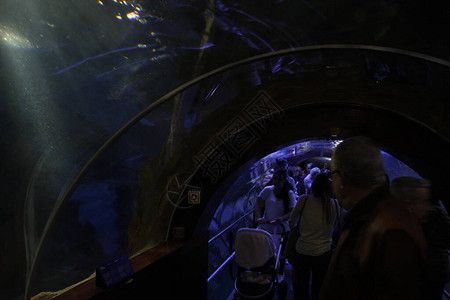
(13, 39)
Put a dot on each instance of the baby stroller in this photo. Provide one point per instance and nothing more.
(259, 266)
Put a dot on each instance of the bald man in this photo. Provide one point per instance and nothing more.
(381, 248)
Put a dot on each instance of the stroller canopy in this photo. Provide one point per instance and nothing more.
(254, 247)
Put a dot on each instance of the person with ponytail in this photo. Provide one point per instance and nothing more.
(317, 214)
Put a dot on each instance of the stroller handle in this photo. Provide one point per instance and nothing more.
(280, 224)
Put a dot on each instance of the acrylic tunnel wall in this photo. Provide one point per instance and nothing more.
(139, 186)
(96, 164)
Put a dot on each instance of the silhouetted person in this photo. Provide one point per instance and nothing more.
(416, 193)
(297, 173)
(313, 172)
(381, 249)
(282, 164)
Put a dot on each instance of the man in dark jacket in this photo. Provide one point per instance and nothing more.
(381, 249)
(416, 194)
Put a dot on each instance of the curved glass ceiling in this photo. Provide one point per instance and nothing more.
(73, 72)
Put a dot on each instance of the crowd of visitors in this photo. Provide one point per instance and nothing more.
(360, 236)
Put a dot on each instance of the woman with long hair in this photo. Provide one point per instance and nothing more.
(275, 203)
(317, 214)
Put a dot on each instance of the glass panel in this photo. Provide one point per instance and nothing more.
(56, 134)
(94, 225)
(238, 200)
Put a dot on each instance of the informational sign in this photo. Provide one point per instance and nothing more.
(194, 196)
(119, 271)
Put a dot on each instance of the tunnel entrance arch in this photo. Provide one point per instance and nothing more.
(411, 142)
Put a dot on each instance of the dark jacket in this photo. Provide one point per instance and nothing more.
(380, 254)
(436, 229)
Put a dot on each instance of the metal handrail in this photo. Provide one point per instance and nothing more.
(235, 222)
(221, 266)
(230, 226)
